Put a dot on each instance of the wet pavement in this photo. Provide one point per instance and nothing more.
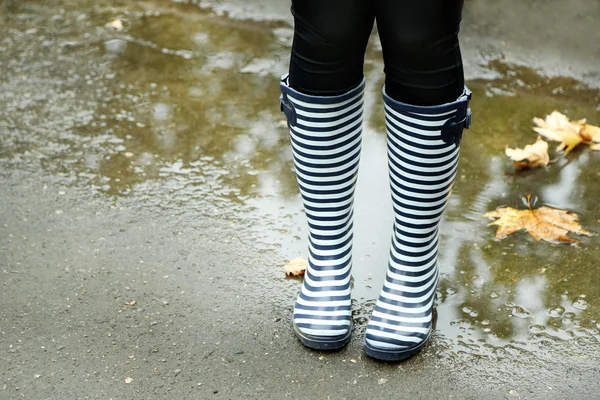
(148, 203)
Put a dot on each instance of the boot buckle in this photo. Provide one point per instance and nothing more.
(288, 109)
(452, 130)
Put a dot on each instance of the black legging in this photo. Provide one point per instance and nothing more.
(423, 65)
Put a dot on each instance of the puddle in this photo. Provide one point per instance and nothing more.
(180, 112)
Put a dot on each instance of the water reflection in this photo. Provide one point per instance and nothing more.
(183, 116)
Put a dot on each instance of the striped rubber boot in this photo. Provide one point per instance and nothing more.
(326, 140)
(423, 151)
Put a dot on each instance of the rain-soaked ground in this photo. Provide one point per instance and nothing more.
(148, 202)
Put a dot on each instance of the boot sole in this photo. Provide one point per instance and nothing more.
(393, 355)
(323, 342)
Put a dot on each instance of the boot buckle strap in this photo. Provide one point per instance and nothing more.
(286, 106)
(452, 130)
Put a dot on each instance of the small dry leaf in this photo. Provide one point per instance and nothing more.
(543, 223)
(533, 155)
(590, 133)
(557, 127)
(116, 24)
(296, 267)
(128, 380)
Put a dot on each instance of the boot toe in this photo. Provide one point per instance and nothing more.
(390, 345)
(322, 334)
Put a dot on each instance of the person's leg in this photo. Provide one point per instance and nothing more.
(423, 64)
(330, 38)
(426, 108)
(323, 101)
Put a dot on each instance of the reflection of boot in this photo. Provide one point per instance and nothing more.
(423, 147)
(326, 140)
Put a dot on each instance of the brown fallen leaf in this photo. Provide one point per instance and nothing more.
(533, 155)
(543, 223)
(296, 267)
(116, 24)
(557, 127)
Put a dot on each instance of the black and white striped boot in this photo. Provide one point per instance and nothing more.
(423, 152)
(326, 141)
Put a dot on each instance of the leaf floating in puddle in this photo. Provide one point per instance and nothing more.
(591, 133)
(533, 155)
(116, 24)
(543, 223)
(557, 127)
(296, 267)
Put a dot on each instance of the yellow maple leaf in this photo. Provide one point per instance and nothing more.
(533, 155)
(557, 127)
(296, 267)
(544, 223)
